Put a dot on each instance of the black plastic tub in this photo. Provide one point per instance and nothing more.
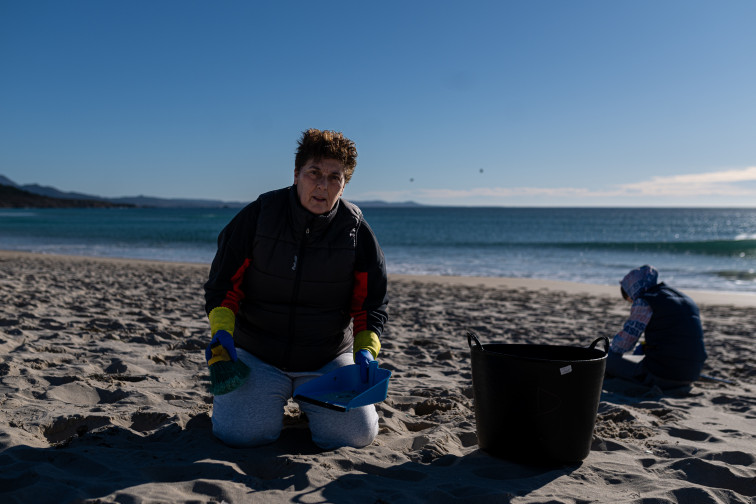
(536, 404)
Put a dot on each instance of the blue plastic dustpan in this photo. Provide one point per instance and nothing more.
(342, 389)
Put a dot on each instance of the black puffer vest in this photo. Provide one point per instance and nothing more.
(298, 287)
(674, 337)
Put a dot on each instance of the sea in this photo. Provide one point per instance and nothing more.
(703, 249)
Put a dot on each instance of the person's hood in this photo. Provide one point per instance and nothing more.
(639, 280)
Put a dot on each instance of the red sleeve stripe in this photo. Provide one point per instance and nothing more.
(235, 295)
(359, 293)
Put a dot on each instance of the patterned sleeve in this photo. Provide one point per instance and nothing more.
(627, 338)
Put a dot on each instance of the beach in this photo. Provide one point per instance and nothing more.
(105, 397)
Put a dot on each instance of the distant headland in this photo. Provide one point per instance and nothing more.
(13, 195)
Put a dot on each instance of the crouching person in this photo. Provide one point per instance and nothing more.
(673, 350)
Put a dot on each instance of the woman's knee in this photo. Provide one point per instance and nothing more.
(357, 432)
(363, 438)
(239, 426)
(353, 440)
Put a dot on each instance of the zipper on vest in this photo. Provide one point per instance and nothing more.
(294, 297)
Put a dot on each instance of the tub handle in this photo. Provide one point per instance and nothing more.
(472, 336)
(606, 343)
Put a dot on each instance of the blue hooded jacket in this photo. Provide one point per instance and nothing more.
(674, 346)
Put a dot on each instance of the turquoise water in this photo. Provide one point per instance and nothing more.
(711, 249)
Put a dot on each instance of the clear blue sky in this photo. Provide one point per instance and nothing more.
(560, 103)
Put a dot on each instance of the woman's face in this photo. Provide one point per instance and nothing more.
(320, 184)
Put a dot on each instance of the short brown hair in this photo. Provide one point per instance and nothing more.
(326, 144)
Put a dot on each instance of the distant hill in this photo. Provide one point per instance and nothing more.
(6, 181)
(126, 201)
(13, 197)
(148, 201)
(52, 192)
(89, 200)
(380, 204)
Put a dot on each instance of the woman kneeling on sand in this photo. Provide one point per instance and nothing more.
(297, 288)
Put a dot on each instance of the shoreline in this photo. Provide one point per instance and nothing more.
(723, 298)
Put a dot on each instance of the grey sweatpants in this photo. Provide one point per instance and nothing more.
(252, 415)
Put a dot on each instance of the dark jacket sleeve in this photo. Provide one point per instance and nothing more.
(370, 294)
(224, 284)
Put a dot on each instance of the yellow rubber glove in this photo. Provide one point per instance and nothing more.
(367, 340)
(221, 319)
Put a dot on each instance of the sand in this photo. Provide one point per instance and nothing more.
(104, 398)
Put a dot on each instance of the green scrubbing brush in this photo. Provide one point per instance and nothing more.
(226, 375)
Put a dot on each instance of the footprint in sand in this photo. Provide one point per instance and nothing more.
(74, 393)
(117, 366)
(64, 428)
(692, 435)
(145, 422)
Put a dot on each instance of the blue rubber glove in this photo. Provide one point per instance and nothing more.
(363, 358)
(224, 339)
